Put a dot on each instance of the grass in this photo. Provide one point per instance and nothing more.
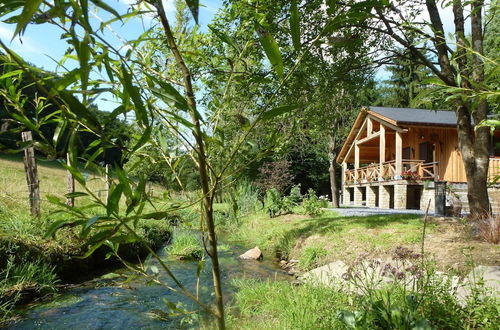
(283, 305)
(185, 246)
(340, 237)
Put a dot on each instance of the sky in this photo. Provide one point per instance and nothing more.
(41, 44)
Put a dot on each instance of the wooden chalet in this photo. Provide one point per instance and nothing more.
(392, 156)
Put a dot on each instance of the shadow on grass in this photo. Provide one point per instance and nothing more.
(332, 224)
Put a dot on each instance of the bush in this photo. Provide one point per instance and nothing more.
(295, 194)
(311, 204)
(488, 229)
(276, 205)
(186, 246)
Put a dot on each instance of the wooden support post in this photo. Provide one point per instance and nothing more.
(382, 152)
(369, 126)
(108, 182)
(399, 155)
(70, 184)
(356, 161)
(342, 181)
(31, 175)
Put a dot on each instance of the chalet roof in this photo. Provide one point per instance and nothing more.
(417, 116)
(398, 118)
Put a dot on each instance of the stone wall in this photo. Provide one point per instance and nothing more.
(384, 198)
(371, 196)
(358, 196)
(400, 196)
(428, 193)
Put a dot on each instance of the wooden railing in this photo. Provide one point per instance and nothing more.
(494, 170)
(412, 170)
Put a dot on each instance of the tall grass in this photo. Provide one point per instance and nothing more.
(185, 246)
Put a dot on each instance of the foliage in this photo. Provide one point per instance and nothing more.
(295, 195)
(311, 204)
(21, 275)
(431, 304)
(186, 246)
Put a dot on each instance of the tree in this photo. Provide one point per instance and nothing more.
(459, 72)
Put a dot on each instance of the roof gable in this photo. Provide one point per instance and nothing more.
(411, 116)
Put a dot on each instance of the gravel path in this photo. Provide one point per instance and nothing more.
(365, 211)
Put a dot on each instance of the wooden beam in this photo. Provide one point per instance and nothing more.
(382, 149)
(384, 122)
(369, 137)
(369, 126)
(356, 161)
(399, 155)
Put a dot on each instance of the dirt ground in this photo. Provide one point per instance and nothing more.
(451, 245)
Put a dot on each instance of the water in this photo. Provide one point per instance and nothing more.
(113, 303)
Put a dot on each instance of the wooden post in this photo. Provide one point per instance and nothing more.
(399, 155)
(369, 126)
(382, 151)
(108, 182)
(70, 180)
(356, 161)
(31, 175)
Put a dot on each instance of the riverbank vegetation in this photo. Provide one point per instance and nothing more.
(33, 265)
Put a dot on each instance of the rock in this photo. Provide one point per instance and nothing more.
(325, 275)
(252, 254)
(293, 261)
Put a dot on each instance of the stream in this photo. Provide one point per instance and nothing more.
(110, 302)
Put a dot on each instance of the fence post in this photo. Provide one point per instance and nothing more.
(70, 180)
(31, 175)
(108, 182)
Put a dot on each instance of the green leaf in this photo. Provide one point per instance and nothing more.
(114, 199)
(271, 49)
(295, 25)
(224, 37)
(194, 7)
(29, 9)
(54, 226)
(91, 221)
(133, 91)
(11, 73)
(106, 7)
(278, 111)
(75, 194)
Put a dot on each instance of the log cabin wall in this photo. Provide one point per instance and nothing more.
(444, 148)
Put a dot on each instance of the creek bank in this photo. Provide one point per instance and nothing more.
(65, 262)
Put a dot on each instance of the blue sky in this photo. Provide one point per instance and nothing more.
(41, 42)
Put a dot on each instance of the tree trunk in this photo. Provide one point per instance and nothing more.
(333, 179)
(474, 152)
(333, 184)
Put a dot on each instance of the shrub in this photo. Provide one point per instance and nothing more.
(186, 246)
(295, 194)
(311, 204)
(488, 229)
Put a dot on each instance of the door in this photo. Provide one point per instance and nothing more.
(427, 154)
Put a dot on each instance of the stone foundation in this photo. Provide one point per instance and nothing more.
(371, 196)
(346, 196)
(400, 196)
(428, 194)
(358, 196)
(384, 197)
